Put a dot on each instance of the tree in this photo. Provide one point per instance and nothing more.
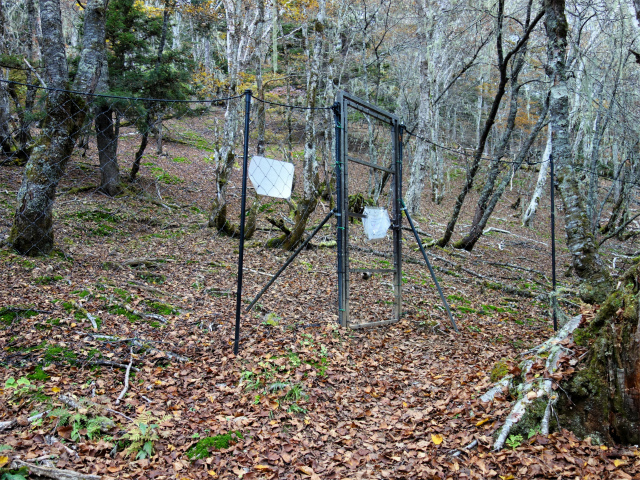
(245, 29)
(32, 229)
(93, 61)
(503, 64)
(596, 281)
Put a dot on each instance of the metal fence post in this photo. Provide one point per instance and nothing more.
(554, 300)
(243, 211)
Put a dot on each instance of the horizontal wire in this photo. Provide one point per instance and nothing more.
(528, 163)
(291, 106)
(465, 154)
(143, 99)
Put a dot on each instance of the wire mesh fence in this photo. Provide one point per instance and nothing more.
(147, 196)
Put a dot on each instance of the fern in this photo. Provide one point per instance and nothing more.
(62, 414)
(143, 434)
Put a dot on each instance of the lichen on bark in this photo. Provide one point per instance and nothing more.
(603, 397)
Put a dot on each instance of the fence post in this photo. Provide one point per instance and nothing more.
(243, 210)
(554, 300)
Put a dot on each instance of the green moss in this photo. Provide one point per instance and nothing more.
(532, 418)
(38, 374)
(119, 310)
(499, 370)
(47, 279)
(58, 354)
(202, 449)
(10, 314)
(162, 308)
(583, 336)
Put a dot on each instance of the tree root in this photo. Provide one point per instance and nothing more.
(54, 473)
(538, 387)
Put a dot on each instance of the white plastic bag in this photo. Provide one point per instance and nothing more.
(271, 177)
(376, 222)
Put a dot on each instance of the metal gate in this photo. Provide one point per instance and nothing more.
(345, 103)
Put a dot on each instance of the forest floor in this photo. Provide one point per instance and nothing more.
(304, 398)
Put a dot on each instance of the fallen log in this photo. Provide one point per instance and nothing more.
(539, 388)
(54, 473)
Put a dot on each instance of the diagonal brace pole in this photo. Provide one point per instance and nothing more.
(290, 259)
(433, 275)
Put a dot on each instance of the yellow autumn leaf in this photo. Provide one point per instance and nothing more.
(212, 473)
(262, 467)
(405, 404)
(437, 439)
(507, 477)
(3, 461)
(603, 447)
(305, 469)
(482, 422)
(617, 462)
(55, 389)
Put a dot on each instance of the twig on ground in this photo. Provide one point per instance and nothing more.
(258, 272)
(126, 378)
(84, 311)
(152, 289)
(499, 230)
(107, 363)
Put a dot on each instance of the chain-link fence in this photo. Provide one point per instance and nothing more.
(145, 195)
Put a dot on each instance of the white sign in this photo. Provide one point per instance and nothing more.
(271, 177)
(376, 222)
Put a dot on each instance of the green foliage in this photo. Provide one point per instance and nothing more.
(143, 434)
(514, 441)
(83, 424)
(533, 432)
(271, 319)
(14, 474)
(20, 387)
(202, 449)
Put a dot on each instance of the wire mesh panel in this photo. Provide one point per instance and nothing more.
(128, 203)
(290, 260)
(369, 171)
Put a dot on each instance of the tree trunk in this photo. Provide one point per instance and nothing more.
(32, 229)
(310, 174)
(476, 229)
(6, 142)
(503, 61)
(596, 281)
(604, 395)
(542, 180)
(419, 162)
(490, 204)
(135, 168)
(107, 151)
(242, 35)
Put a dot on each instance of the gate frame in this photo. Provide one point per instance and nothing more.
(344, 101)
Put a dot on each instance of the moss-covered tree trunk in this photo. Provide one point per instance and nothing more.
(32, 229)
(604, 396)
(596, 282)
